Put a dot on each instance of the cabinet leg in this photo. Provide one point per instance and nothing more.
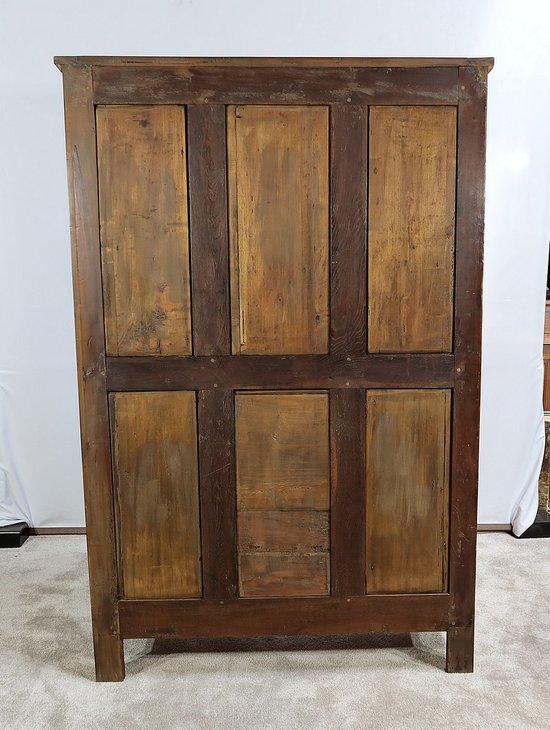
(460, 650)
(109, 658)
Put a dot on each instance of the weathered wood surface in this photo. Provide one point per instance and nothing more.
(412, 171)
(279, 227)
(408, 437)
(286, 372)
(144, 229)
(154, 439)
(90, 353)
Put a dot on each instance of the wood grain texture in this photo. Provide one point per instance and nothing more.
(279, 227)
(220, 84)
(348, 296)
(282, 447)
(347, 491)
(216, 426)
(467, 345)
(408, 438)
(412, 172)
(282, 451)
(156, 476)
(284, 616)
(144, 229)
(271, 372)
(460, 650)
(90, 352)
(206, 138)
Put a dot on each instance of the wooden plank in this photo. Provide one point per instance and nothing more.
(284, 616)
(282, 451)
(467, 346)
(90, 352)
(144, 229)
(272, 372)
(279, 225)
(408, 437)
(347, 514)
(224, 84)
(208, 229)
(411, 234)
(280, 531)
(283, 574)
(348, 319)
(265, 61)
(216, 425)
(156, 476)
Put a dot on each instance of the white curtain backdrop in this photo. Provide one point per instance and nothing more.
(40, 474)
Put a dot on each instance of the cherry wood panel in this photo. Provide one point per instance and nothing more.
(279, 227)
(144, 229)
(412, 172)
(284, 616)
(154, 439)
(283, 574)
(408, 438)
(305, 531)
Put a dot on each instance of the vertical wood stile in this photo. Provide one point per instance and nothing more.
(90, 338)
(467, 348)
(211, 320)
(348, 319)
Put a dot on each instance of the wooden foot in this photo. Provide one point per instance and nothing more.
(109, 658)
(460, 650)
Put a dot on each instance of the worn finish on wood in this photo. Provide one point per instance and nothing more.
(274, 63)
(144, 231)
(284, 616)
(467, 343)
(156, 478)
(208, 229)
(460, 649)
(348, 301)
(90, 351)
(408, 435)
(216, 427)
(271, 372)
(278, 165)
(412, 170)
(282, 448)
(347, 516)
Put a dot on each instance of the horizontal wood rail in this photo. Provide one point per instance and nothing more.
(265, 372)
(283, 616)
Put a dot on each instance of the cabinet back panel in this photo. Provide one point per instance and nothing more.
(279, 228)
(144, 229)
(154, 438)
(407, 448)
(412, 179)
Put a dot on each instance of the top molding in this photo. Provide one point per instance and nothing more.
(261, 62)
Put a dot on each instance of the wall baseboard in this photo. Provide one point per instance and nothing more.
(497, 527)
(57, 531)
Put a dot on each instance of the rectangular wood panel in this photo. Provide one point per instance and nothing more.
(279, 228)
(282, 448)
(156, 483)
(144, 229)
(412, 180)
(408, 438)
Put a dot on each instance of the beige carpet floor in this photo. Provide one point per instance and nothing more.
(46, 664)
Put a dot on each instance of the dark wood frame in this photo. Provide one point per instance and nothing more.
(205, 85)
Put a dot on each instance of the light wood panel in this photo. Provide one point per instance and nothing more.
(144, 229)
(156, 478)
(279, 228)
(408, 437)
(282, 451)
(282, 447)
(412, 180)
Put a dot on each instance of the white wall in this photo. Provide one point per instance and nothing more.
(39, 447)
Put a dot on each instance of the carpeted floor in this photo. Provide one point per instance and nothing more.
(46, 664)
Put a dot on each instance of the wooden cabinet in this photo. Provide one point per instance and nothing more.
(277, 274)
